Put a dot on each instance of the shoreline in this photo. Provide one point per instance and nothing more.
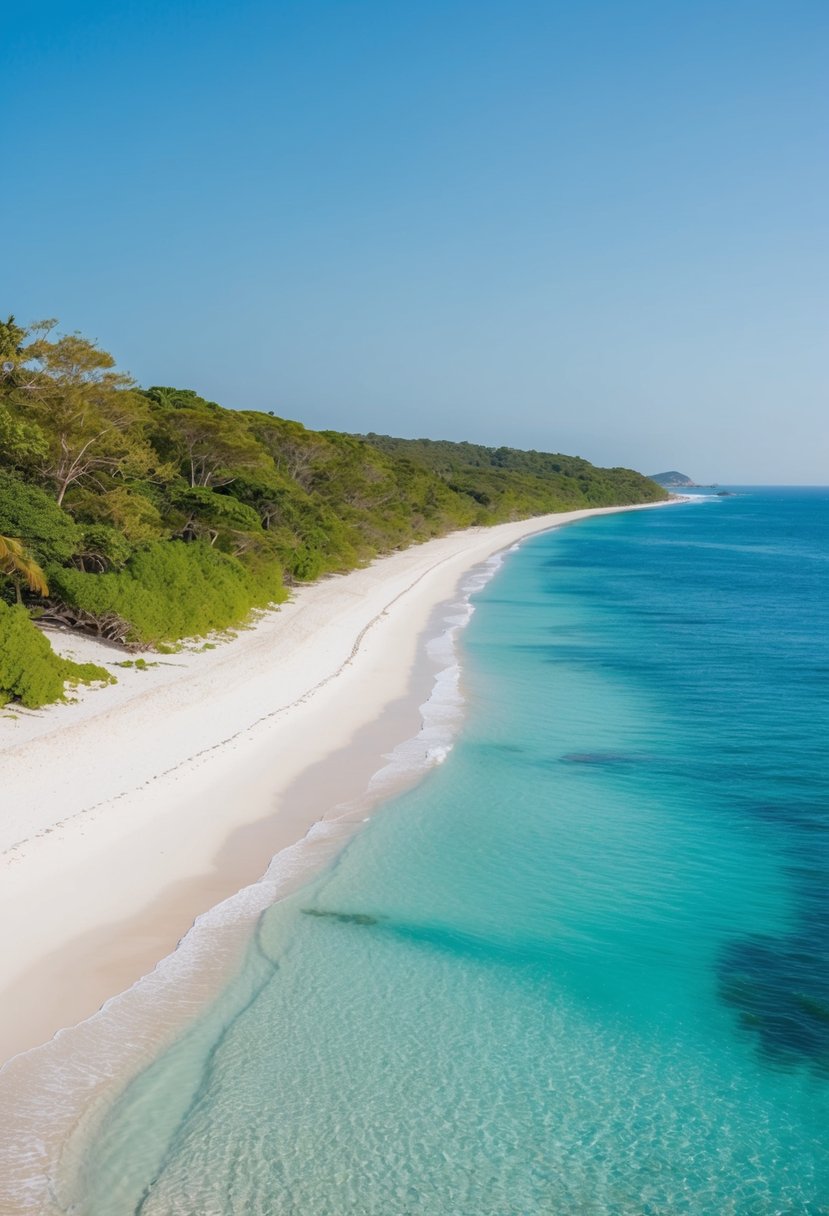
(135, 869)
(189, 937)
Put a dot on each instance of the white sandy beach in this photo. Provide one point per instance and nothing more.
(120, 806)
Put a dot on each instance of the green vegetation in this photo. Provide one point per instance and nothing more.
(672, 479)
(167, 591)
(30, 671)
(18, 565)
(510, 484)
(148, 516)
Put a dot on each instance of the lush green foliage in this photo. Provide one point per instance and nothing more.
(171, 590)
(158, 515)
(506, 480)
(17, 563)
(30, 671)
(32, 515)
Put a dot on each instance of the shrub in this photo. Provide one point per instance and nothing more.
(172, 590)
(28, 513)
(30, 671)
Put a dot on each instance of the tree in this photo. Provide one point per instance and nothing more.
(124, 508)
(211, 446)
(31, 515)
(11, 341)
(20, 566)
(213, 516)
(296, 452)
(22, 444)
(90, 419)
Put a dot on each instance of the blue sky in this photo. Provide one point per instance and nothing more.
(593, 227)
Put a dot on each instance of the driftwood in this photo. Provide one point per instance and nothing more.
(107, 625)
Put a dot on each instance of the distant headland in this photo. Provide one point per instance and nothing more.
(672, 480)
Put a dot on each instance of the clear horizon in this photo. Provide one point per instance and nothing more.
(593, 229)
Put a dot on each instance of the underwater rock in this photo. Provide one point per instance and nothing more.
(780, 990)
(345, 918)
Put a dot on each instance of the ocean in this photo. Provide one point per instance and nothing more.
(581, 967)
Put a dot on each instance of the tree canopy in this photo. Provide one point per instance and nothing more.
(155, 514)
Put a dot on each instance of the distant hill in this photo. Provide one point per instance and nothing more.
(672, 479)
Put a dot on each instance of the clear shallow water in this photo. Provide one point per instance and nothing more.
(581, 969)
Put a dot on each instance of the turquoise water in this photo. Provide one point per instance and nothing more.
(581, 968)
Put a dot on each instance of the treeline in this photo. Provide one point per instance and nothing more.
(150, 515)
(511, 483)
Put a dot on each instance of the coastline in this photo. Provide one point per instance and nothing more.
(202, 784)
(303, 777)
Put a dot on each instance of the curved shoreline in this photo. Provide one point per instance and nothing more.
(291, 693)
(52, 1096)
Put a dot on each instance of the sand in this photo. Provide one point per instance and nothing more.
(137, 807)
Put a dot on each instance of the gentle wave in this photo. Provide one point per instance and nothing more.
(581, 969)
(54, 1096)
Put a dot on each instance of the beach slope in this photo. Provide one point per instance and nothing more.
(117, 807)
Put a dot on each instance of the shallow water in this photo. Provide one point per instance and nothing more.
(581, 968)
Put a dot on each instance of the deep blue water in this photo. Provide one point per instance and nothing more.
(582, 967)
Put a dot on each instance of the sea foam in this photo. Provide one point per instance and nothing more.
(55, 1096)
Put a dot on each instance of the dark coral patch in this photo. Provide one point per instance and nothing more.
(345, 918)
(780, 988)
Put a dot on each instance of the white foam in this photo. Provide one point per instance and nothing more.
(75, 1071)
(442, 713)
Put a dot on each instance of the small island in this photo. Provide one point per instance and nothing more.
(672, 480)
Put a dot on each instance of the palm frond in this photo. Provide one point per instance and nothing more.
(17, 563)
